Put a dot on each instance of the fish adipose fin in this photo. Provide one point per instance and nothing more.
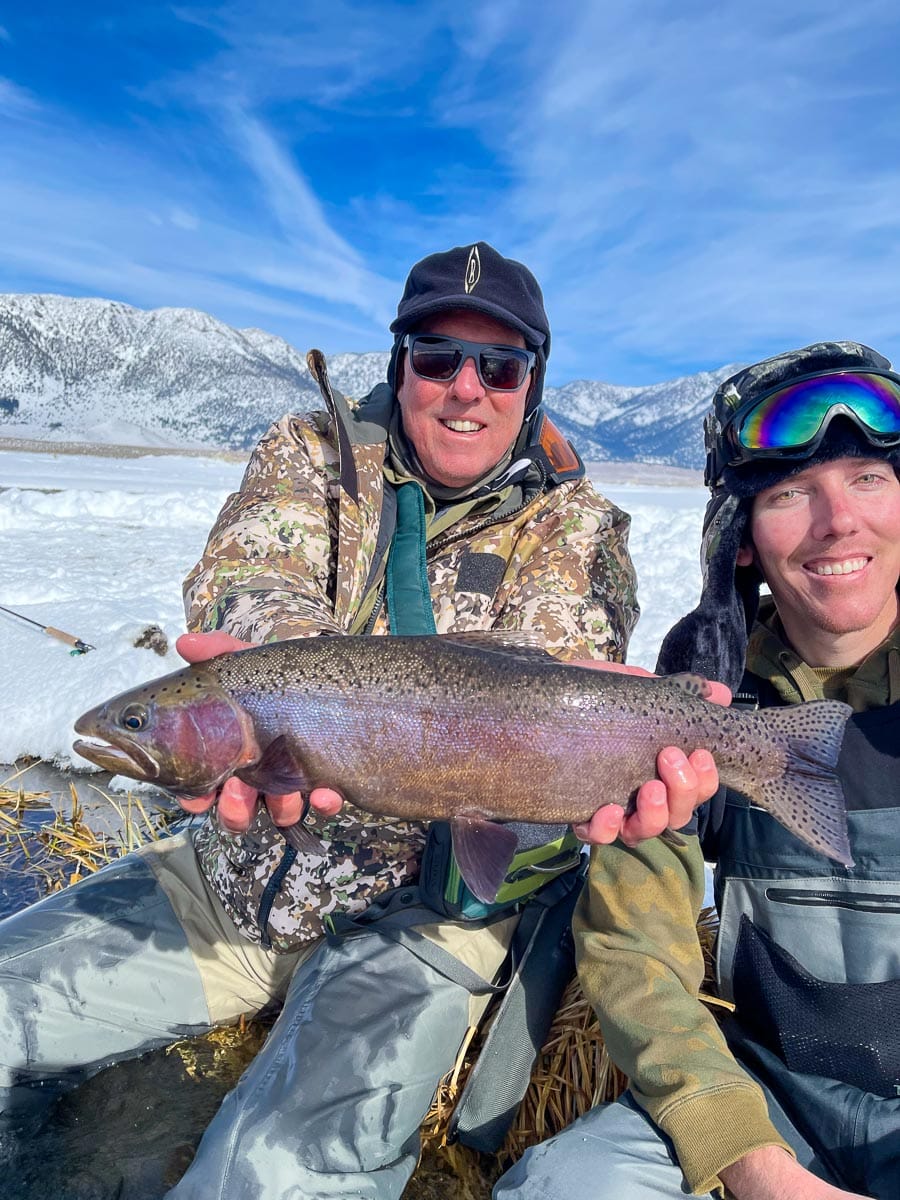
(280, 769)
(483, 852)
(808, 798)
(694, 685)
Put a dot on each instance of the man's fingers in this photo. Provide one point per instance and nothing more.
(603, 827)
(237, 805)
(719, 693)
(197, 804)
(602, 664)
(198, 647)
(651, 813)
(286, 809)
(326, 801)
(707, 774)
(689, 781)
(669, 802)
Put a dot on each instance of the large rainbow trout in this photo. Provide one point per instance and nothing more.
(470, 728)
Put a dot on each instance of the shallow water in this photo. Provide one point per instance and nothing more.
(26, 865)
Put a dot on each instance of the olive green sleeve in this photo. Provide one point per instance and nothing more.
(641, 968)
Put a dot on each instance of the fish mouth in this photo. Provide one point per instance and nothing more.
(128, 760)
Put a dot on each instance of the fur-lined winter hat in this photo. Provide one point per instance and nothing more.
(479, 278)
(859, 422)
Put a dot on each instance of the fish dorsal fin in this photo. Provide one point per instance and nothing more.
(693, 685)
(521, 644)
(483, 852)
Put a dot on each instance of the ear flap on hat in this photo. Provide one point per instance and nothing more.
(712, 640)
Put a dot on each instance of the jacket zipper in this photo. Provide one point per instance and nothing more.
(856, 901)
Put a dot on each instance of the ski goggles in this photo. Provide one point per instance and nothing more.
(791, 421)
(440, 359)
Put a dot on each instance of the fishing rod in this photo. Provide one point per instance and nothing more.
(78, 646)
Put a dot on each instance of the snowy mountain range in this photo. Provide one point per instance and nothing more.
(102, 371)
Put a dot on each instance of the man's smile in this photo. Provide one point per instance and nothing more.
(844, 566)
(457, 425)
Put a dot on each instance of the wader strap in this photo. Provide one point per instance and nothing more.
(543, 966)
(408, 595)
(394, 915)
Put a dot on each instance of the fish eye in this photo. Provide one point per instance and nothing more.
(133, 718)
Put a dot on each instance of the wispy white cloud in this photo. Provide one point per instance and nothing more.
(329, 266)
(15, 100)
(700, 186)
(693, 184)
(139, 242)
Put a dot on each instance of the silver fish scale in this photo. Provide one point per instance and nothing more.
(416, 727)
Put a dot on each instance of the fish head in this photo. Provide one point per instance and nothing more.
(184, 733)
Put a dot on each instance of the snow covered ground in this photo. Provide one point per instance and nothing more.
(98, 546)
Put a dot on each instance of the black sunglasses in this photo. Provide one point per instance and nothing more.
(440, 359)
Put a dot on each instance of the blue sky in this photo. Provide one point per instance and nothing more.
(693, 183)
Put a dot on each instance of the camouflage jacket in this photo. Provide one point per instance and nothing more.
(642, 967)
(299, 550)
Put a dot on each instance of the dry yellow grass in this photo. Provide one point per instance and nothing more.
(64, 847)
(573, 1073)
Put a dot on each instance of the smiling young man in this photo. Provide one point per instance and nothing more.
(797, 1095)
(443, 501)
(828, 542)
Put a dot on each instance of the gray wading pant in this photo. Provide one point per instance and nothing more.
(142, 954)
(615, 1151)
(622, 1155)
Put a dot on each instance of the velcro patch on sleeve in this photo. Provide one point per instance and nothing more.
(480, 573)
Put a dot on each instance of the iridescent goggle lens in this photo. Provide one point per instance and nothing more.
(795, 417)
(440, 359)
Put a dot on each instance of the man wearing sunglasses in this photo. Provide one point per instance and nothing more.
(444, 501)
(797, 1094)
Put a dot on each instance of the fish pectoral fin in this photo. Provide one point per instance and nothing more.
(693, 685)
(483, 852)
(279, 770)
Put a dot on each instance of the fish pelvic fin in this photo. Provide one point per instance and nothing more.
(305, 841)
(808, 798)
(483, 852)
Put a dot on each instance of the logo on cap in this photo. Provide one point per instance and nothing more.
(473, 269)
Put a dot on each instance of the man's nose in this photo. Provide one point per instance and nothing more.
(467, 385)
(835, 516)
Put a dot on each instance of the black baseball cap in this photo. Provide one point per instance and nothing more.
(476, 277)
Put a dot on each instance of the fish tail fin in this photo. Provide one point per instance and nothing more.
(807, 798)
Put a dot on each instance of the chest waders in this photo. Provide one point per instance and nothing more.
(544, 880)
(808, 951)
